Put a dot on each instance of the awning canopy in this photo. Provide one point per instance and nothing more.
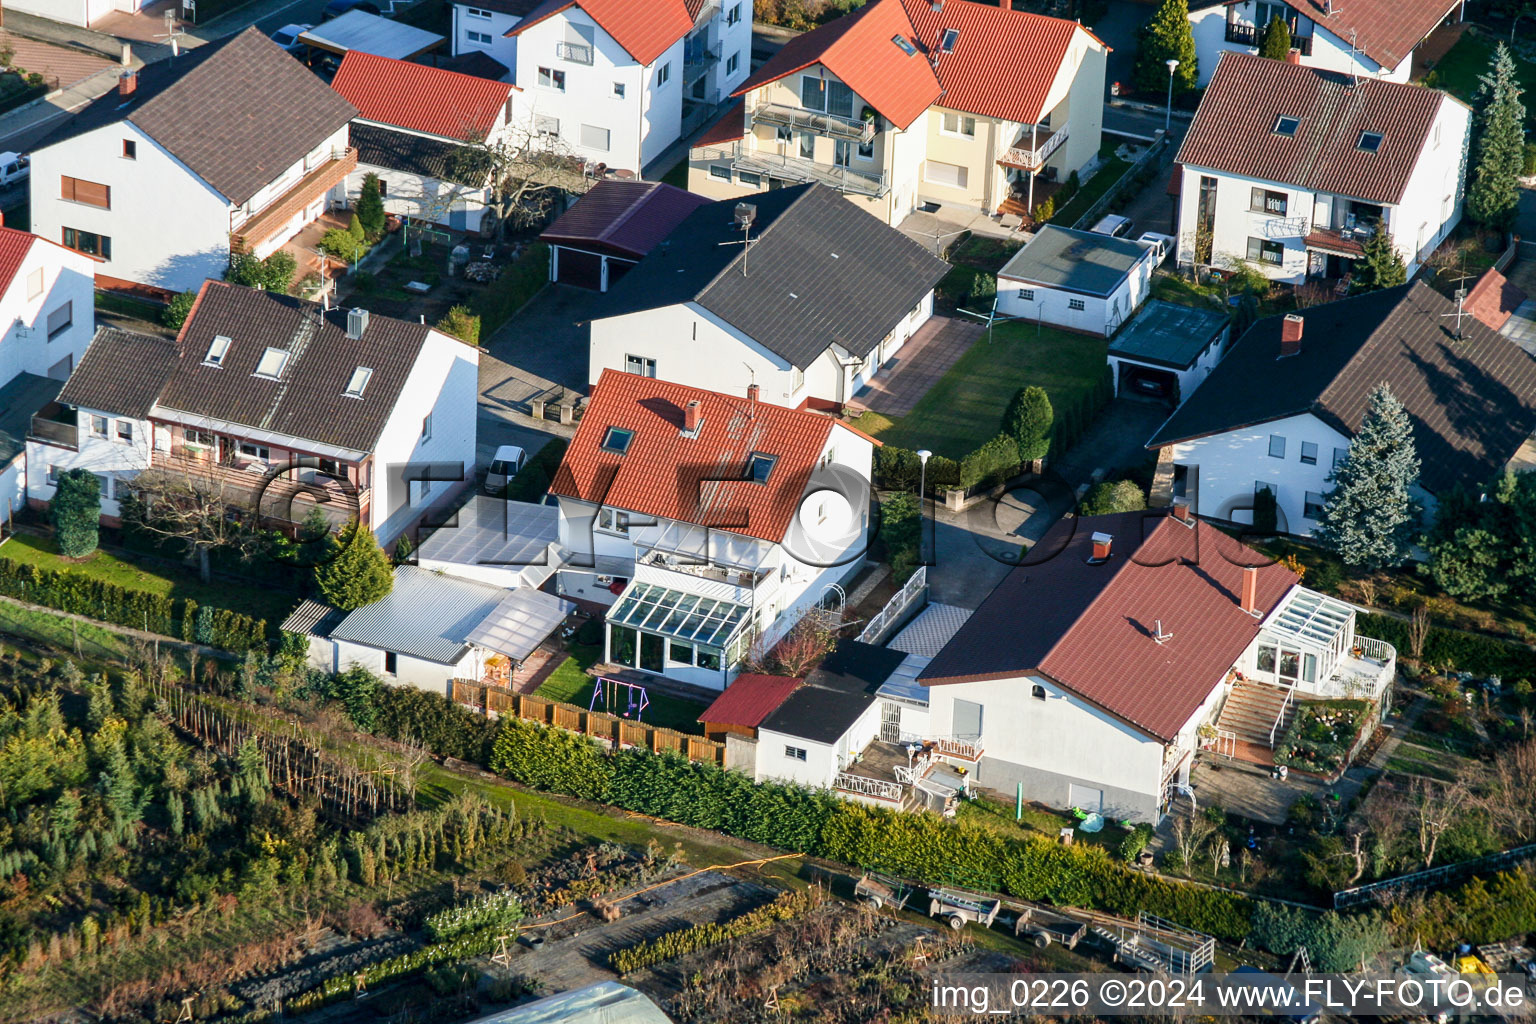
(520, 623)
(679, 614)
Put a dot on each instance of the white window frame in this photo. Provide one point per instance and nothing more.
(663, 74)
(265, 367)
(607, 135)
(1076, 305)
(643, 362)
(732, 63)
(795, 753)
(960, 121)
(1277, 441)
(612, 520)
(124, 433)
(479, 38)
(100, 427)
(552, 79)
(426, 427)
(618, 90)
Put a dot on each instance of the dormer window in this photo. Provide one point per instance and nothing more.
(217, 351)
(1286, 126)
(359, 381)
(947, 40)
(760, 467)
(1369, 142)
(617, 440)
(273, 361)
(905, 44)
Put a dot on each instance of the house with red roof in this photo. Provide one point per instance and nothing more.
(706, 524)
(428, 133)
(1288, 169)
(1124, 645)
(612, 82)
(1366, 37)
(905, 102)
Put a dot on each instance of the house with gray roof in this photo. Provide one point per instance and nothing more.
(276, 404)
(795, 291)
(233, 146)
(1080, 280)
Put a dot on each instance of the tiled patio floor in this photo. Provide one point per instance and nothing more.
(67, 65)
(907, 376)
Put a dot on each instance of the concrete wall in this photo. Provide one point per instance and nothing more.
(467, 19)
(1232, 463)
(48, 278)
(444, 382)
(1054, 744)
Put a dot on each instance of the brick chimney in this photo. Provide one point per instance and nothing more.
(691, 413)
(1102, 542)
(1290, 334)
(752, 393)
(127, 83)
(1181, 509)
(1250, 598)
(1293, 55)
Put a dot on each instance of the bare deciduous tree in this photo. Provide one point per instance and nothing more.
(198, 508)
(1418, 631)
(1511, 797)
(1190, 833)
(1435, 808)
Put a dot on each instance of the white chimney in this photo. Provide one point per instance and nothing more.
(357, 322)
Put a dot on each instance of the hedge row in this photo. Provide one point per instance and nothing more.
(671, 945)
(79, 594)
(1468, 652)
(918, 846)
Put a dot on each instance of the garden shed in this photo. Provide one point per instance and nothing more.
(1079, 280)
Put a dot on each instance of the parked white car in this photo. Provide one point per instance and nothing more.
(13, 168)
(288, 36)
(1113, 224)
(505, 465)
(1161, 244)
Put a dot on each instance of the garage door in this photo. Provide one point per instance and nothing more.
(1148, 382)
(582, 269)
(1090, 800)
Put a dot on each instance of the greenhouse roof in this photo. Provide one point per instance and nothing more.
(679, 614)
(1310, 618)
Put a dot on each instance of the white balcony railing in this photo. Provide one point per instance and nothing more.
(909, 592)
(877, 788)
(834, 126)
(796, 169)
(575, 53)
(964, 750)
(1046, 142)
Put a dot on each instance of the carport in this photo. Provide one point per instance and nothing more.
(1167, 350)
(612, 228)
(369, 33)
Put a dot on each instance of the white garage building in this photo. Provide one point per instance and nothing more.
(1079, 280)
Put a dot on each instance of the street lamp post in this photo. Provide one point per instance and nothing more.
(923, 455)
(1173, 65)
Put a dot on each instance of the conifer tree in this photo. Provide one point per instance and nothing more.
(1167, 35)
(76, 512)
(1498, 145)
(1275, 40)
(359, 574)
(1381, 266)
(1369, 518)
(1028, 421)
(370, 206)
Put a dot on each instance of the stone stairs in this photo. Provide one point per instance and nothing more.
(1251, 710)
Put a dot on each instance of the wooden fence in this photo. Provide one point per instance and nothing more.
(611, 729)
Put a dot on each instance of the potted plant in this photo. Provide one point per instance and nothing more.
(869, 114)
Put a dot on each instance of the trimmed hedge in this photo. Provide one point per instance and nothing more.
(1469, 652)
(919, 846)
(80, 594)
(992, 463)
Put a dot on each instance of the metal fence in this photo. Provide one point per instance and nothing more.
(1432, 876)
(899, 603)
(1158, 155)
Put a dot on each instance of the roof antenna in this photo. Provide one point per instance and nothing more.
(1461, 296)
(1160, 636)
(745, 214)
(172, 34)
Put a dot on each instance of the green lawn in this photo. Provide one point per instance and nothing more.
(1459, 70)
(250, 599)
(126, 305)
(1109, 172)
(965, 408)
(570, 684)
(984, 252)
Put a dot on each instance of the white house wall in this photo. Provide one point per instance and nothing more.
(1054, 745)
(175, 252)
(431, 676)
(1099, 315)
(1328, 50)
(467, 18)
(416, 196)
(694, 347)
(444, 382)
(13, 487)
(107, 457)
(819, 768)
(67, 277)
(1433, 199)
(1189, 379)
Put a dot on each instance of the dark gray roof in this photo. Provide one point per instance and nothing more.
(25, 394)
(121, 372)
(129, 373)
(1077, 261)
(820, 271)
(416, 154)
(837, 692)
(238, 112)
(1168, 334)
(1472, 401)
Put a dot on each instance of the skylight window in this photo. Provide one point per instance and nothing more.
(617, 440)
(947, 41)
(1286, 126)
(905, 44)
(273, 360)
(217, 351)
(1369, 142)
(359, 381)
(760, 467)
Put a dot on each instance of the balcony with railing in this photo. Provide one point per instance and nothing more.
(285, 497)
(833, 126)
(1248, 35)
(262, 224)
(575, 53)
(57, 425)
(678, 572)
(1030, 154)
(698, 58)
(798, 169)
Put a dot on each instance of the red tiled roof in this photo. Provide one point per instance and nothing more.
(1385, 30)
(692, 479)
(645, 30)
(629, 217)
(14, 246)
(859, 50)
(749, 700)
(729, 128)
(1493, 300)
(1233, 127)
(424, 99)
(1091, 626)
(1004, 61)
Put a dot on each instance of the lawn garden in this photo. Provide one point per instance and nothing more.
(1465, 63)
(570, 684)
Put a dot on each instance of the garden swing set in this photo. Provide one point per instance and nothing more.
(634, 699)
